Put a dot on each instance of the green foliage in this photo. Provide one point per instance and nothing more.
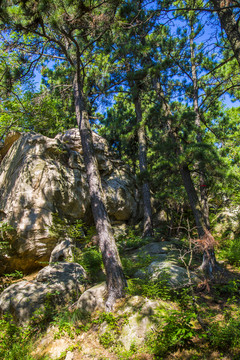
(44, 315)
(85, 253)
(226, 334)
(232, 251)
(62, 228)
(177, 330)
(107, 339)
(152, 289)
(15, 341)
(231, 291)
(124, 354)
(114, 324)
(91, 260)
(6, 232)
(71, 322)
(70, 348)
(132, 240)
(16, 274)
(107, 317)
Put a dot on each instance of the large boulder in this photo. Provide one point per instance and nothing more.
(40, 176)
(138, 316)
(141, 320)
(162, 261)
(54, 285)
(176, 276)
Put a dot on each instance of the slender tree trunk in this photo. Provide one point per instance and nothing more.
(193, 199)
(209, 264)
(184, 170)
(116, 282)
(202, 172)
(229, 24)
(142, 146)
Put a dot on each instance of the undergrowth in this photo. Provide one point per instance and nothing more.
(15, 341)
(191, 320)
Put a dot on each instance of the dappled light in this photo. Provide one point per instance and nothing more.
(119, 180)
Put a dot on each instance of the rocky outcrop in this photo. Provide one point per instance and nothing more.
(141, 319)
(40, 176)
(139, 314)
(162, 261)
(174, 275)
(53, 286)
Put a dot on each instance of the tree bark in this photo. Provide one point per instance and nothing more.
(193, 199)
(202, 172)
(209, 263)
(116, 282)
(142, 146)
(229, 24)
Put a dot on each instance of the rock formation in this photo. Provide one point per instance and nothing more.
(54, 286)
(40, 176)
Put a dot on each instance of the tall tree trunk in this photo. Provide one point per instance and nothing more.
(229, 24)
(116, 282)
(142, 146)
(209, 264)
(202, 172)
(193, 199)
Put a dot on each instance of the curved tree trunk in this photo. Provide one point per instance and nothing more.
(142, 146)
(116, 282)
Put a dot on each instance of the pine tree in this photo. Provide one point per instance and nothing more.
(71, 31)
(229, 23)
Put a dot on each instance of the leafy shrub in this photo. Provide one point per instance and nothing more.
(231, 290)
(15, 342)
(131, 266)
(112, 330)
(87, 256)
(107, 339)
(176, 330)
(151, 289)
(233, 252)
(62, 228)
(131, 241)
(6, 232)
(91, 260)
(226, 335)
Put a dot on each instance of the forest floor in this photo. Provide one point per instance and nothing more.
(214, 339)
(205, 326)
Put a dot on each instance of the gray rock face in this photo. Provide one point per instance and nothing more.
(54, 285)
(139, 312)
(155, 248)
(163, 264)
(62, 251)
(93, 299)
(175, 275)
(141, 320)
(40, 176)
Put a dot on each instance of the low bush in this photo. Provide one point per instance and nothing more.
(176, 330)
